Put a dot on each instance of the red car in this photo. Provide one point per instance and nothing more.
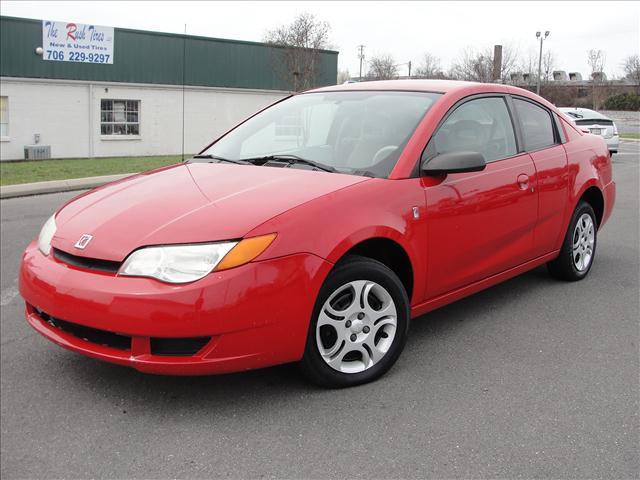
(315, 230)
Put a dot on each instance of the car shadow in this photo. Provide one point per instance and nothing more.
(131, 389)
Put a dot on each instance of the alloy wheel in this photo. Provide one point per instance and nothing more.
(583, 242)
(356, 326)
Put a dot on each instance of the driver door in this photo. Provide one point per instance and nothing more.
(479, 223)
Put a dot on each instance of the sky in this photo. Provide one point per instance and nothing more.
(406, 30)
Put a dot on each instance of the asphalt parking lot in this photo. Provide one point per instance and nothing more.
(531, 378)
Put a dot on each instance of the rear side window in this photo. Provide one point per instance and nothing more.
(482, 125)
(537, 128)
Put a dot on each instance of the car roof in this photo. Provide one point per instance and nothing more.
(577, 113)
(453, 88)
(436, 86)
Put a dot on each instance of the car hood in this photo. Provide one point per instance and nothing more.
(186, 203)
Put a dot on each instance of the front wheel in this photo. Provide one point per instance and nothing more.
(579, 246)
(359, 324)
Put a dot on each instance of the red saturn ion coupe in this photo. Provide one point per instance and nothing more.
(315, 230)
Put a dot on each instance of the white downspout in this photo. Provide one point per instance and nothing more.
(90, 122)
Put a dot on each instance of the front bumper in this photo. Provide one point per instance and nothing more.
(257, 315)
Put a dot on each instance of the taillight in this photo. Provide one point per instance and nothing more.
(615, 129)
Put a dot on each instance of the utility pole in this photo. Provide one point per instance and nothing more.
(542, 38)
(361, 57)
(409, 68)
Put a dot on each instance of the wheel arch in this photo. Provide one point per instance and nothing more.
(388, 252)
(594, 197)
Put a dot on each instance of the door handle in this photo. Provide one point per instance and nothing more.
(523, 181)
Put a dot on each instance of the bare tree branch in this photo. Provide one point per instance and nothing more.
(631, 67)
(477, 65)
(430, 67)
(343, 76)
(596, 59)
(383, 67)
(298, 59)
(548, 65)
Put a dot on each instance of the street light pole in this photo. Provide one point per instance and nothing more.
(539, 35)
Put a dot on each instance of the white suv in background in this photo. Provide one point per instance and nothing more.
(595, 123)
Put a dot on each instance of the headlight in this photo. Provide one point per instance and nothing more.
(188, 263)
(46, 234)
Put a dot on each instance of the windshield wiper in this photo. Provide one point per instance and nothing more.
(291, 159)
(221, 159)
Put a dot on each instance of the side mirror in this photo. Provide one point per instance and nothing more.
(454, 162)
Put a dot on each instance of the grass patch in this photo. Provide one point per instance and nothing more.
(12, 173)
(634, 136)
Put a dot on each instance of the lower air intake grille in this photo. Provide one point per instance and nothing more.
(178, 346)
(93, 335)
(159, 346)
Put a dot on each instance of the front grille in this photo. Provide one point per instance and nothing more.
(88, 263)
(181, 346)
(178, 346)
(93, 335)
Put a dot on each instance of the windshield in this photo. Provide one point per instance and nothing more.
(361, 133)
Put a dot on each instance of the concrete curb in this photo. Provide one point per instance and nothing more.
(54, 186)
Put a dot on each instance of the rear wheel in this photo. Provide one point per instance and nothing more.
(359, 325)
(579, 246)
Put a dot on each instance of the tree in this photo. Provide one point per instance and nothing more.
(343, 76)
(510, 56)
(596, 59)
(472, 65)
(528, 65)
(477, 65)
(383, 67)
(631, 68)
(548, 65)
(298, 57)
(430, 67)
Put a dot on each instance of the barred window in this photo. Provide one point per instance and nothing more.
(120, 117)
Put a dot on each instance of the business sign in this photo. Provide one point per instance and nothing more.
(73, 42)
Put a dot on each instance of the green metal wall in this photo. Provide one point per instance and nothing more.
(150, 57)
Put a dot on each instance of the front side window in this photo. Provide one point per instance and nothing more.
(535, 121)
(361, 133)
(120, 117)
(482, 125)
(4, 116)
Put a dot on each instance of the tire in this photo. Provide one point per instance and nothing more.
(350, 342)
(579, 246)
